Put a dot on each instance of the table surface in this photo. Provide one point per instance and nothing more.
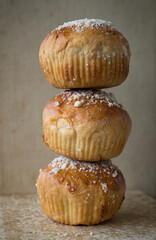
(22, 218)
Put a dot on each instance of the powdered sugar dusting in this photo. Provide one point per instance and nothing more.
(110, 104)
(78, 103)
(115, 173)
(81, 24)
(57, 104)
(61, 163)
(81, 98)
(64, 163)
(104, 187)
(55, 170)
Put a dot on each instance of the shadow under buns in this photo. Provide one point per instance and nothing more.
(73, 192)
(85, 125)
(87, 53)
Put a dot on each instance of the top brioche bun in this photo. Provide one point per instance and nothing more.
(85, 54)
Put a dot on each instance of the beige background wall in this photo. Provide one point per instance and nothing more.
(24, 91)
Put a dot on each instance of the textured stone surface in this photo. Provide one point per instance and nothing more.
(22, 218)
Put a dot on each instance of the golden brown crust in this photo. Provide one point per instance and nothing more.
(85, 125)
(73, 192)
(92, 58)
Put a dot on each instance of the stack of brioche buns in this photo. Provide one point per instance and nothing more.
(84, 124)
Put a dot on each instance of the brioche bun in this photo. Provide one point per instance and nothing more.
(87, 125)
(87, 53)
(73, 192)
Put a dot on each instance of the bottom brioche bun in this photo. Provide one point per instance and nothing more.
(74, 193)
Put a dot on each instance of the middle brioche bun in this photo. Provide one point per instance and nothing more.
(87, 125)
(87, 53)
